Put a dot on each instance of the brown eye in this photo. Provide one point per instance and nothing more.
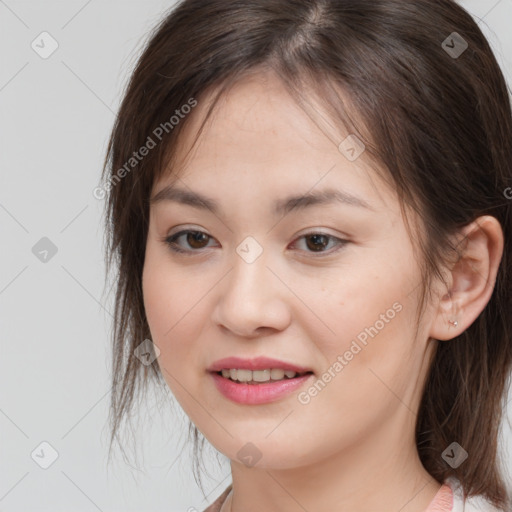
(195, 240)
(317, 243)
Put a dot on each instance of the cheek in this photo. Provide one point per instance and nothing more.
(164, 303)
(174, 302)
(370, 342)
(361, 306)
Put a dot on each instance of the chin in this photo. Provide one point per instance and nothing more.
(264, 453)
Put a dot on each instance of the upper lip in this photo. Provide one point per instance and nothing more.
(258, 363)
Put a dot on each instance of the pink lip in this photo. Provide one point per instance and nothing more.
(258, 363)
(254, 394)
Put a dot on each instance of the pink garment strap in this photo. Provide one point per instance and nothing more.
(443, 500)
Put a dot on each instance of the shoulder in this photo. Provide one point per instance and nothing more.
(215, 506)
(470, 504)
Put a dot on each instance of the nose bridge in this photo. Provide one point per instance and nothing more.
(250, 273)
(250, 297)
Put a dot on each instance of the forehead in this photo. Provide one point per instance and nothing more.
(259, 132)
(260, 115)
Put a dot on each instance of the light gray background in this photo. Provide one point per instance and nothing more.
(56, 114)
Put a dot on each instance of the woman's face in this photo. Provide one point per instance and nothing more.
(328, 286)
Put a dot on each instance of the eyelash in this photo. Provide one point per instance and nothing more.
(171, 242)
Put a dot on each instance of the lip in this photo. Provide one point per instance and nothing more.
(255, 394)
(258, 363)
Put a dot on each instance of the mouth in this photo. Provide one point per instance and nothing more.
(259, 380)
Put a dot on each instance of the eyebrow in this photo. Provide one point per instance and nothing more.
(281, 206)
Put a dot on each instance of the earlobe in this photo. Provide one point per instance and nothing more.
(446, 323)
(472, 278)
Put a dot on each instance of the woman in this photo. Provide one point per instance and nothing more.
(308, 206)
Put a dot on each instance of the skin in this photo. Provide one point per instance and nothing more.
(352, 446)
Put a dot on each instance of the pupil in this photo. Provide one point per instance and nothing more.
(315, 239)
(195, 237)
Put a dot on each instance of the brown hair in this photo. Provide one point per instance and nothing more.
(439, 123)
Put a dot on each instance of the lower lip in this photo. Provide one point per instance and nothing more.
(254, 394)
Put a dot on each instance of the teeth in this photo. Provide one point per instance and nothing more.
(261, 375)
(242, 375)
(276, 374)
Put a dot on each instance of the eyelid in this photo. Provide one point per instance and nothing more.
(184, 227)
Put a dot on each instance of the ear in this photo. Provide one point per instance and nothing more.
(471, 279)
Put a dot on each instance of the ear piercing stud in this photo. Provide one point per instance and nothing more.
(454, 322)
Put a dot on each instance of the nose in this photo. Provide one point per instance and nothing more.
(252, 299)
